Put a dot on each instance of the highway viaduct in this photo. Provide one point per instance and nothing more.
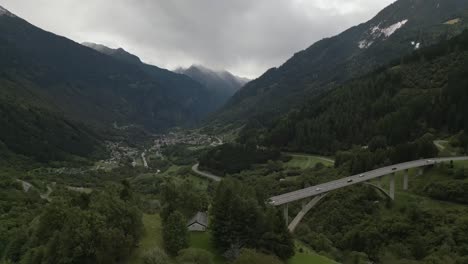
(318, 192)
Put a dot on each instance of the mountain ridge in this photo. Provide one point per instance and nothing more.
(334, 60)
(222, 83)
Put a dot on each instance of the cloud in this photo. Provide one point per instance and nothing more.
(244, 36)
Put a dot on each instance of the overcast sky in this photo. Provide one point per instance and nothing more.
(246, 37)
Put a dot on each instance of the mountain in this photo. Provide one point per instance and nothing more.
(96, 88)
(55, 92)
(119, 53)
(397, 30)
(177, 84)
(222, 84)
(422, 96)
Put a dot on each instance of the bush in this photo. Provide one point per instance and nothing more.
(195, 256)
(175, 233)
(249, 256)
(155, 256)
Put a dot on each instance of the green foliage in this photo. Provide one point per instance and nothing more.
(454, 191)
(103, 230)
(155, 256)
(175, 233)
(248, 256)
(238, 219)
(359, 160)
(183, 197)
(41, 134)
(233, 158)
(195, 256)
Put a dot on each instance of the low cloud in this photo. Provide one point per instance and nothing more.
(243, 36)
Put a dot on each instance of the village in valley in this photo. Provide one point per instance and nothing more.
(122, 153)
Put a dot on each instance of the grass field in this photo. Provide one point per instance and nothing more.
(203, 241)
(445, 149)
(308, 256)
(152, 237)
(303, 161)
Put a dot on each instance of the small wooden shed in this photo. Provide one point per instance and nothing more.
(198, 223)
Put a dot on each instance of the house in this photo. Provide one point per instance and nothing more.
(198, 223)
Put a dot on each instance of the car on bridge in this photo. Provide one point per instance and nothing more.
(318, 189)
(361, 175)
(350, 180)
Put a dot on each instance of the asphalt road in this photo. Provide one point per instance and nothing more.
(355, 179)
(205, 174)
(143, 157)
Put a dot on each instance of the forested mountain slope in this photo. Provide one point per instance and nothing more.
(93, 87)
(30, 130)
(399, 29)
(423, 93)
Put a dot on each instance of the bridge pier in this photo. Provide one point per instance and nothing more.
(392, 186)
(286, 214)
(405, 180)
(420, 172)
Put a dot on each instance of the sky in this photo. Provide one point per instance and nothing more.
(245, 37)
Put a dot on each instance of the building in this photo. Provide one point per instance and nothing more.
(198, 223)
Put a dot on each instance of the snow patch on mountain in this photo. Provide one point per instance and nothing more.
(364, 44)
(376, 32)
(393, 28)
(4, 12)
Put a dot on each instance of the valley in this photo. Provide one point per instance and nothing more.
(353, 151)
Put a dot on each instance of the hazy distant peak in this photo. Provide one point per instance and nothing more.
(222, 84)
(220, 73)
(5, 12)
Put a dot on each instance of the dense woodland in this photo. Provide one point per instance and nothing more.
(423, 93)
(233, 158)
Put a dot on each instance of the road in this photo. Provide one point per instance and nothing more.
(26, 185)
(205, 174)
(143, 157)
(439, 145)
(355, 179)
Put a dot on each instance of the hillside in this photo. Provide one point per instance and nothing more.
(422, 93)
(92, 87)
(222, 84)
(175, 85)
(397, 30)
(33, 133)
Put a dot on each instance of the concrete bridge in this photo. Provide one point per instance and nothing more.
(318, 192)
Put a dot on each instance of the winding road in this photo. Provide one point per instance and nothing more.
(205, 174)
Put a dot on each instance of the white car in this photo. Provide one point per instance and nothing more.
(318, 189)
(361, 175)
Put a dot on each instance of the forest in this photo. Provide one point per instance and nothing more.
(422, 93)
